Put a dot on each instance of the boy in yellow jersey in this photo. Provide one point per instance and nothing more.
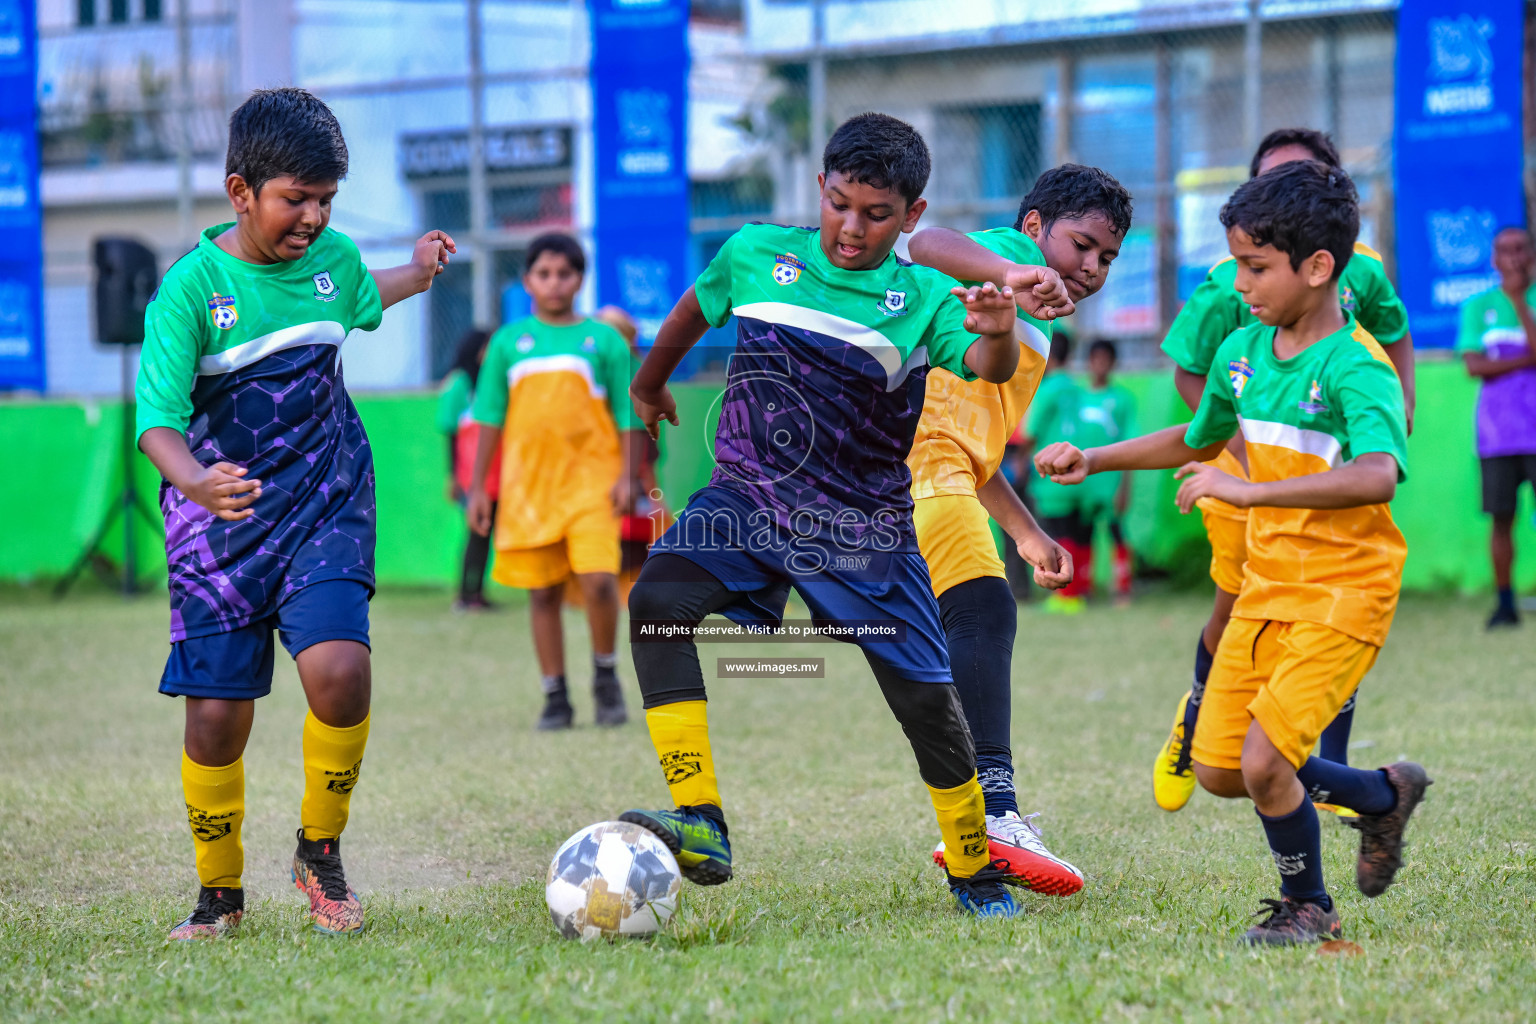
(1070, 224)
(553, 398)
(1215, 310)
(1325, 435)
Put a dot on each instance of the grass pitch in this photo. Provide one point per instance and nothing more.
(835, 912)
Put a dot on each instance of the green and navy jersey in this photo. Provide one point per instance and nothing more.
(1506, 404)
(1329, 404)
(244, 359)
(826, 384)
(560, 394)
(1217, 308)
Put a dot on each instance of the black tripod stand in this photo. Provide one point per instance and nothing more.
(125, 282)
(126, 505)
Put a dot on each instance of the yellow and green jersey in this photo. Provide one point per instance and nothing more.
(560, 395)
(1323, 407)
(966, 424)
(1217, 308)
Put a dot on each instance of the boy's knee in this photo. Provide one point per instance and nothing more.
(338, 681)
(600, 587)
(547, 599)
(932, 719)
(1223, 782)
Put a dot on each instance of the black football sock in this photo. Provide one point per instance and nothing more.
(1364, 790)
(1333, 745)
(1296, 843)
(1203, 661)
(980, 619)
(1506, 599)
(604, 665)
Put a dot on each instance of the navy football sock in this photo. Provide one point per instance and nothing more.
(1359, 789)
(995, 773)
(1203, 660)
(1296, 843)
(1333, 745)
(1506, 599)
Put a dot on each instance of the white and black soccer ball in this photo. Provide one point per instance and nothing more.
(612, 879)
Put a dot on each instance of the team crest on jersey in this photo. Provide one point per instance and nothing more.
(222, 309)
(525, 344)
(1347, 300)
(1238, 371)
(786, 268)
(1314, 403)
(895, 303)
(325, 288)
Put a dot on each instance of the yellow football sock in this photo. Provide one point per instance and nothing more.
(680, 733)
(215, 808)
(332, 758)
(962, 815)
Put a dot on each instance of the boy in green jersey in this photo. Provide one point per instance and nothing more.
(1321, 415)
(1213, 312)
(268, 494)
(553, 399)
(811, 491)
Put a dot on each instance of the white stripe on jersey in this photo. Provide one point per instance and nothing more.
(321, 332)
(866, 338)
(555, 364)
(1283, 435)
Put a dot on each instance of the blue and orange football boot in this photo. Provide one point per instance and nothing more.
(984, 894)
(698, 841)
(333, 906)
(218, 912)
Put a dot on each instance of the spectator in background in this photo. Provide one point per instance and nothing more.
(463, 433)
(648, 519)
(1107, 407)
(1495, 341)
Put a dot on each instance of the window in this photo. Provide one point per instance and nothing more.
(87, 11)
(992, 158)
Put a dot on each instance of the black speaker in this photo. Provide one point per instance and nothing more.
(126, 276)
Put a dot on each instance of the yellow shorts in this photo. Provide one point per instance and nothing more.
(1227, 527)
(590, 544)
(1290, 677)
(954, 533)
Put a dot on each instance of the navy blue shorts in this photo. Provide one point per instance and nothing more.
(238, 665)
(838, 585)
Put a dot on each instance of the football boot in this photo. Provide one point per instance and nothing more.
(333, 906)
(218, 912)
(1173, 776)
(1381, 835)
(1018, 845)
(697, 840)
(984, 894)
(1293, 923)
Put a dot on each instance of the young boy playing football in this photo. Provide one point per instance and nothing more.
(553, 400)
(811, 491)
(268, 494)
(1214, 311)
(1068, 231)
(1321, 414)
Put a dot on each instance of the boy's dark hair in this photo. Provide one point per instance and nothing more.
(288, 131)
(1104, 345)
(1299, 208)
(1317, 143)
(467, 356)
(561, 245)
(1074, 190)
(880, 151)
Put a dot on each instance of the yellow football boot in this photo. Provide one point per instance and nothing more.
(1173, 777)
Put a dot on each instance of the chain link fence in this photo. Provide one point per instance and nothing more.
(1166, 113)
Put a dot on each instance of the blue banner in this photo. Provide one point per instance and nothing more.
(640, 143)
(1458, 158)
(21, 222)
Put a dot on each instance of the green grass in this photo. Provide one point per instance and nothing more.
(835, 912)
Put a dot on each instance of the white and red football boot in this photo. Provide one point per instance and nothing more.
(1019, 843)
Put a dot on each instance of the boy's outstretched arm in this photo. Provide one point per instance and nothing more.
(679, 332)
(1370, 479)
(1162, 449)
(1039, 291)
(1051, 562)
(989, 314)
(427, 261)
(220, 488)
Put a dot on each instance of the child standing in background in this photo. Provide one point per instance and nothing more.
(454, 421)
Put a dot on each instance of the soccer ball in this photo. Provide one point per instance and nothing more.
(612, 879)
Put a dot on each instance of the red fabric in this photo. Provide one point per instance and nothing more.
(1122, 569)
(1082, 563)
(465, 442)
